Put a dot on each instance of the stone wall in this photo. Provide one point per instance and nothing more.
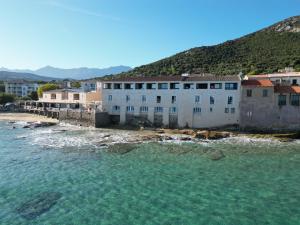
(83, 118)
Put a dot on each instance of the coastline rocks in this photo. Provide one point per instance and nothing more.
(38, 124)
(121, 148)
(211, 135)
(216, 155)
(38, 205)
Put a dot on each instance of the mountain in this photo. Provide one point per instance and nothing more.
(76, 73)
(6, 75)
(264, 51)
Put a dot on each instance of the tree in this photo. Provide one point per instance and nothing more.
(5, 98)
(46, 87)
(33, 96)
(75, 84)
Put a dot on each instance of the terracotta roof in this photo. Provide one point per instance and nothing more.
(287, 89)
(257, 83)
(192, 77)
(275, 75)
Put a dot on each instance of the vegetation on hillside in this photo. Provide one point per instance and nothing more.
(265, 51)
(46, 87)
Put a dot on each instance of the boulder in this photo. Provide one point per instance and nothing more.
(216, 155)
(202, 134)
(187, 132)
(215, 135)
(38, 205)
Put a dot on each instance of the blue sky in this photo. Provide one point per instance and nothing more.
(103, 33)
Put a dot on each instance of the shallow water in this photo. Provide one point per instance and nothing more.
(258, 182)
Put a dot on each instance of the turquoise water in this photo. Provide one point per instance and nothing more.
(258, 182)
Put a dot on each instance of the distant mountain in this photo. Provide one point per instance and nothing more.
(264, 51)
(76, 73)
(6, 75)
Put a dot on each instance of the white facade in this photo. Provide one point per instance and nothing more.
(194, 101)
(20, 88)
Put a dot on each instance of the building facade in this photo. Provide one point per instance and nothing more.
(267, 104)
(20, 88)
(196, 101)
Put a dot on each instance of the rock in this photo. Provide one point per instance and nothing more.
(185, 139)
(187, 132)
(38, 205)
(216, 155)
(160, 131)
(215, 135)
(202, 134)
(26, 126)
(121, 148)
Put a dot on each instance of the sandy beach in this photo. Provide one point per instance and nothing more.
(26, 117)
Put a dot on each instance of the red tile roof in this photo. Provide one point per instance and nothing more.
(287, 89)
(257, 83)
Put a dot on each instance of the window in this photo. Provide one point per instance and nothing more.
(232, 110)
(295, 100)
(116, 108)
(281, 100)
(226, 110)
(107, 86)
(173, 110)
(139, 86)
(210, 109)
(265, 93)
(127, 98)
(129, 109)
(197, 110)
(144, 98)
(231, 86)
(197, 99)
(294, 82)
(158, 109)
(215, 86)
(143, 109)
(174, 85)
(53, 96)
(188, 86)
(229, 100)
(110, 98)
(117, 86)
(202, 86)
(128, 86)
(163, 86)
(249, 93)
(173, 99)
(151, 86)
(212, 100)
(158, 99)
(76, 97)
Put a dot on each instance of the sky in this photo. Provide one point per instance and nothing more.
(104, 33)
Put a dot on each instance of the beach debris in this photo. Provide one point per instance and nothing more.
(121, 148)
(38, 205)
(216, 155)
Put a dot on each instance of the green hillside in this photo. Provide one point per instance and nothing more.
(265, 51)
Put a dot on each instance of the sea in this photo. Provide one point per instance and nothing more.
(69, 175)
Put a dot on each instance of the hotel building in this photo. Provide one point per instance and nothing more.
(196, 101)
(20, 88)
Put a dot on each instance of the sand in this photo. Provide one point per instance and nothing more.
(26, 117)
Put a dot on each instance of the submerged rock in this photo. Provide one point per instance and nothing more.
(38, 205)
(121, 148)
(216, 155)
(39, 124)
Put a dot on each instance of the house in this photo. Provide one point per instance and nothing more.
(268, 104)
(20, 88)
(196, 101)
(287, 78)
(71, 98)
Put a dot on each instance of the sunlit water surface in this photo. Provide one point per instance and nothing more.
(258, 182)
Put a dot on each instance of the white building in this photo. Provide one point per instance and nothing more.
(20, 88)
(287, 78)
(197, 101)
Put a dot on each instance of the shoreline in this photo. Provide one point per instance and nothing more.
(25, 117)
